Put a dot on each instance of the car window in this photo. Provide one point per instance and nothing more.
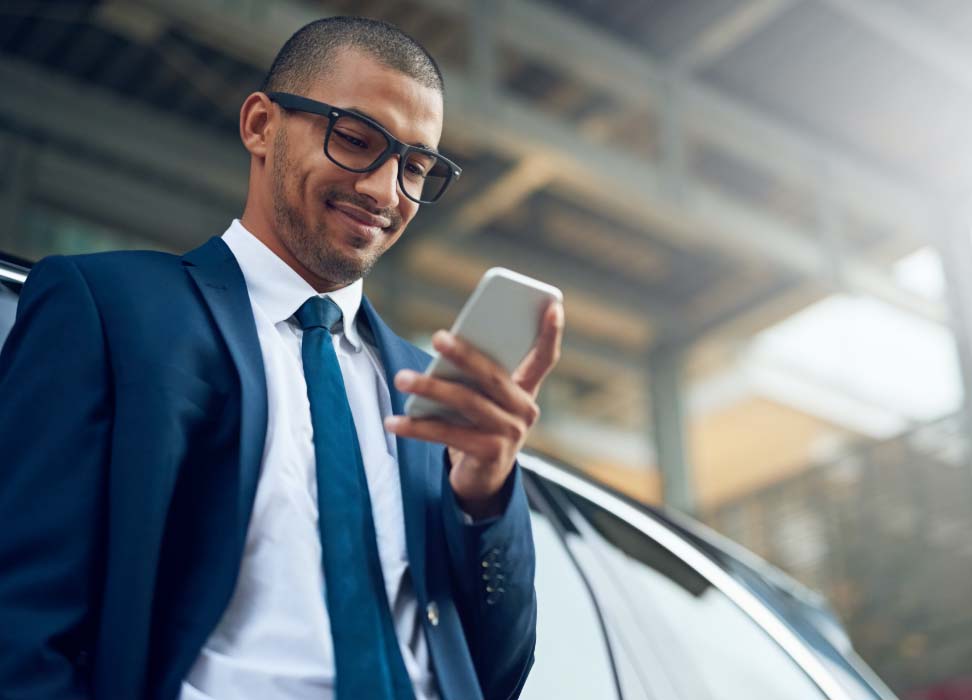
(572, 661)
(663, 613)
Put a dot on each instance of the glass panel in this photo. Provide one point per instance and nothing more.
(660, 608)
(572, 661)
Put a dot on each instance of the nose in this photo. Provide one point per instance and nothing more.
(381, 184)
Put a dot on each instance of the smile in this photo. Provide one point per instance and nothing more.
(360, 222)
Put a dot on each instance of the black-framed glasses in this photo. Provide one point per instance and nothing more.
(359, 144)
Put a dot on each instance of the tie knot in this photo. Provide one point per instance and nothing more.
(318, 312)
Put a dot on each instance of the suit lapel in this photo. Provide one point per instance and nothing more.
(413, 455)
(215, 271)
(220, 281)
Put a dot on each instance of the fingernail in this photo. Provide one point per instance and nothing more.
(392, 422)
(404, 378)
(444, 339)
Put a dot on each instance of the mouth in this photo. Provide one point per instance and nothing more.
(360, 222)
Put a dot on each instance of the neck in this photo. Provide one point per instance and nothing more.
(263, 231)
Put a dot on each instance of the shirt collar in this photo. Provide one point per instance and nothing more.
(278, 290)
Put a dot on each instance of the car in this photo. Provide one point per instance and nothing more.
(642, 603)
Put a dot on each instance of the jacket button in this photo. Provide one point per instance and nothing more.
(432, 613)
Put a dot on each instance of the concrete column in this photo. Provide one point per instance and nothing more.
(954, 244)
(666, 372)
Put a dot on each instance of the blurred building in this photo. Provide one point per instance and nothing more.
(757, 210)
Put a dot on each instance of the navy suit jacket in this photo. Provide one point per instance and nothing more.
(133, 414)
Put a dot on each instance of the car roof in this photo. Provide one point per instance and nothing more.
(13, 270)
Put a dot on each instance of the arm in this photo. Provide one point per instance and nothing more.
(55, 418)
(493, 566)
(482, 479)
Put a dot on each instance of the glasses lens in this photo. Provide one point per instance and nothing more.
(355, 144)
(425, 176)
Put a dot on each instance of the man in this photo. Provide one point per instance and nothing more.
(205, 491)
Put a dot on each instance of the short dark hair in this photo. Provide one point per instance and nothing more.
(307, 55)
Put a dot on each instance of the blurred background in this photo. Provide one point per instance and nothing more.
(757, 209)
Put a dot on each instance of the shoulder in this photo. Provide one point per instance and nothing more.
(113, 273)
(128, 263)
(145, 287)
(93, 266)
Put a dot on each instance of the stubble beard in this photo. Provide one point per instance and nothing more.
(313, 247)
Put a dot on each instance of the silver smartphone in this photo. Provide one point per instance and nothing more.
(502, 319)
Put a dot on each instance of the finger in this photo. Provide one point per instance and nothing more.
(488, 377)
(545, 352)
(467, 440)
(476, 408)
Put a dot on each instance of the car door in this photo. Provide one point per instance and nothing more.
(672, 632)
(573, 659)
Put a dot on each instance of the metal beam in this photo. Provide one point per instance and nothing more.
(910, 32)
(564, 271)
(697, 327)
(614, 180)
(257, 30)
(37, 101)
(732, 30)
(638, 310)
(636, 189)
(140, 24)
(579, 348)
(635, 79)
(499, 197)
(103, 193)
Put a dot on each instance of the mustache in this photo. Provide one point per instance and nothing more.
(363, 202)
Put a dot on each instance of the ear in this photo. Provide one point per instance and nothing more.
(257, 121)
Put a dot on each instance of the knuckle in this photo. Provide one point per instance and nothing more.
(533, 414)
(517, 430)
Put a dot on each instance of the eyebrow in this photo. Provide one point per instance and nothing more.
(363, 113)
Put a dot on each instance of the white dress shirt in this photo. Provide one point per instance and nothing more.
(274, 639)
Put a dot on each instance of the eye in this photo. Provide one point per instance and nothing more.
(351, 139)
(418, 165)
(415, 170)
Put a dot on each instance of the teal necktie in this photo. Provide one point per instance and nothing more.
(368, 661)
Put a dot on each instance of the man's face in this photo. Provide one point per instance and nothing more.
(338, 223)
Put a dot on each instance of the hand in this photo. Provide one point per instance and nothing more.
(501, 412)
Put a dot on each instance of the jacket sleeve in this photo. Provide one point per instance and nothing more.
(55, 417)
(493, 568)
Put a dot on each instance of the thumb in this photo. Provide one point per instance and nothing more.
(545, 351)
